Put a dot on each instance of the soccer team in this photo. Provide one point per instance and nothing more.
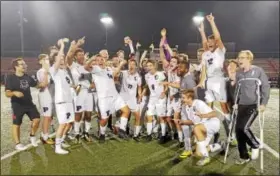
(172, 103)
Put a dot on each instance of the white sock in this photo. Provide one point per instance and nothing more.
(58, 141)
(215, 147)
(187, 145)
(88, 126)
(149, 128)
(103, 129)
(137, 130)
(63, 138)
(45, 136)
(77, 126)
(163, 128)
(202, 148)
(123, 123)
(180, 136)
(155, 129)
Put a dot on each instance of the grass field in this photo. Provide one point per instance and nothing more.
(118, 157)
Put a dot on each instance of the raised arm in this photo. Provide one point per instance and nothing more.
(162, 57)
(73, 47)
(215, 31)
(60, 54)
(142, 58)
(118, 69)
(203, 36)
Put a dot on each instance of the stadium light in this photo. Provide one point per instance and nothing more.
(198, 19)
(106, 20)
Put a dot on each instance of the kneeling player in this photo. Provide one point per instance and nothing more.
(205, 122)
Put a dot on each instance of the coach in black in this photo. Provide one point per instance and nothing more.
(18, 89)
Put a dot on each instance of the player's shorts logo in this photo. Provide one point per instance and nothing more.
(78, 108)
(24, 84)
(45, 109)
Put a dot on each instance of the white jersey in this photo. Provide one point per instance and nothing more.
(153, 82)
(104, 82)
(173, 78)
(77, 70)
(129, 84)
(48, 91)
(62, 82)
(214, 62)
(197, 106)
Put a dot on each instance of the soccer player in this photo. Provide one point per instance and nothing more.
(197, 74)
(247, 104)
(173, 99)
(130, 90)
(83, 99)
(46, 98)
(157, 101)
(63, 97)
(18, 89)
(212, 69)
(108, 98)
(205, 123)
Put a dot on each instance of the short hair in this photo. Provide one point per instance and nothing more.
(42, 56)
(189, 93)
(120, 51)
(200, 50)
(233, 61)
(15, 62)
(151, 61)
(133, 60)
(184, 56)
(177, 58)
(211, 37)
(79, 50)
(115, 56)
(248, 53)
(185, 63)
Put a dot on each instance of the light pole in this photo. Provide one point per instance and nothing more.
(22, 20)
(106, 20)
(197, 21)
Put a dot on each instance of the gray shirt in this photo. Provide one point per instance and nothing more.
(187, 82)
(248, 88)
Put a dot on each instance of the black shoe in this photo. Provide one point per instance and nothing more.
(181, 144)
(162, 140)
(87, 137)
(122, 134)
(77, 139)
(136, 138)
(176, 136)
(102, 138)
(149, 138)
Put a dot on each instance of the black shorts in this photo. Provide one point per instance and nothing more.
(20, 110)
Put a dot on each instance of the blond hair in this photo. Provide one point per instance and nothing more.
(42, 56)
(248, 53)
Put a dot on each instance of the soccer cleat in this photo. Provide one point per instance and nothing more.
(233, 143)
(20, 147)
(241, 161)
(87, 137)
(49, 141)
(77, 139)
(136, 138)
(101, 138)
(33, 141)
(181, 144)
(162, 140)
(65, 144)
(59, 150)
(149, 138)
(255, 154)
(185, 154)
(203, 161)
(123, 135)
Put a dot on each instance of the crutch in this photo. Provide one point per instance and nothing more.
(261, 123)
(232, 123)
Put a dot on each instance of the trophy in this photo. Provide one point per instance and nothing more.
(163, 37)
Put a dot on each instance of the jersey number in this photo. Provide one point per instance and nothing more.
(210, 61)
(153, 86)
(67, 79)
(129, 86)
(110, 76)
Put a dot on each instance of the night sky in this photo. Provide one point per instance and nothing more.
(252, 25)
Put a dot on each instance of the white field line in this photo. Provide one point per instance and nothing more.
(28, 146)
(269, 149)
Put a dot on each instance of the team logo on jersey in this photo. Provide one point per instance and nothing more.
(45, 109)
(67, 79)
(156, 77)
(68, 115)
(110, 76)
(129, 86)
(24, 84)
(135, 78)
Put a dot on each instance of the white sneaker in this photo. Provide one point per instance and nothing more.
(33, 141)
(255, 154)
(20, 147)
(59, 150)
